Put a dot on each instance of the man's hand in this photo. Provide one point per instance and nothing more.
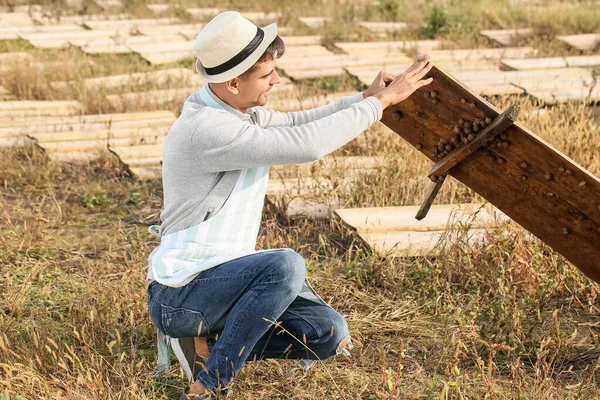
(381, 81)
(405, 84)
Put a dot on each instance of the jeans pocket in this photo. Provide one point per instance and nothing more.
(183, 322)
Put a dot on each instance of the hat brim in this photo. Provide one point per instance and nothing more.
(270, 35)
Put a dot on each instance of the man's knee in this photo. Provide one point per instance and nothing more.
(291, 266)
(339, 333)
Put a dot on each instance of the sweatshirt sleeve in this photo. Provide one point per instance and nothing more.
(226, 143)
(269, 118)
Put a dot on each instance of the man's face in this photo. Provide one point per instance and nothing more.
(254, 90)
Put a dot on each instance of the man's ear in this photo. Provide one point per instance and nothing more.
(233, 85)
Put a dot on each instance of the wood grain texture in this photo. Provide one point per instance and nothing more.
(536, 185)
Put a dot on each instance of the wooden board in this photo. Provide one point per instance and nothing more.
(384, 27)
(57, 124)
(171, 76)
(506, 37)
(364, 48)
(394, 230)
(189, 31)
(128, 24)
(88, 134)
(296, 104)
(13, 33)
(421, 243)
(151, 97)
(12, 109)
(551, 62)
(530, 181)
(127, 43)
(590, 41)
(344, 166)
(562, 95)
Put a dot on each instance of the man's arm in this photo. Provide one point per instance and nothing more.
(227, 143)
(270, 118)
(267, 118)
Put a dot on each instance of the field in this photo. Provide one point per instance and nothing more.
(508, 320)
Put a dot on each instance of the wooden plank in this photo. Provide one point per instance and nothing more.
(579, 94)
(128, 24)
(365, 48)
(420, 244)
(38, 105)
(158, 8)
(174, 46)
(305, 187)
(394, 230)
(295, 104)
(109, 4)
(16, 19)
(534, 184)
(49, 19)
(70, 136)
(346, 166)
(171, 76)
(67, 123)
(136, 152)
(506, 37)
(147, 173)
(189, 31)
(168, 58)
(307, 208)
(154, 162)
(125, 44)
(13, 33)
(494, 54)
(440, 217)
(63, 32)
(584, 42)
(551, 62)
(384, 27)
(301, 41)
(95, 145)
(25, 109)
(151, 97)
(69, 126)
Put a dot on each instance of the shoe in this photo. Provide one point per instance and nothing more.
(186, 355)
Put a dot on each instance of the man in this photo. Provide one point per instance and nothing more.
(211, 293)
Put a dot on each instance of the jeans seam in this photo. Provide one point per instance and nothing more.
(235, 328)
(155, 295)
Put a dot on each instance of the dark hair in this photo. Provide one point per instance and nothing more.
(275, 50)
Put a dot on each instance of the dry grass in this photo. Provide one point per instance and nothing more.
(512, 320)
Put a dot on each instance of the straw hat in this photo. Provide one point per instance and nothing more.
(229, 45)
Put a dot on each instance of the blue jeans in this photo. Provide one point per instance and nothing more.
(237, 303)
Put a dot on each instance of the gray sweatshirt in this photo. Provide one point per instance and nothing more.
(206, 149)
